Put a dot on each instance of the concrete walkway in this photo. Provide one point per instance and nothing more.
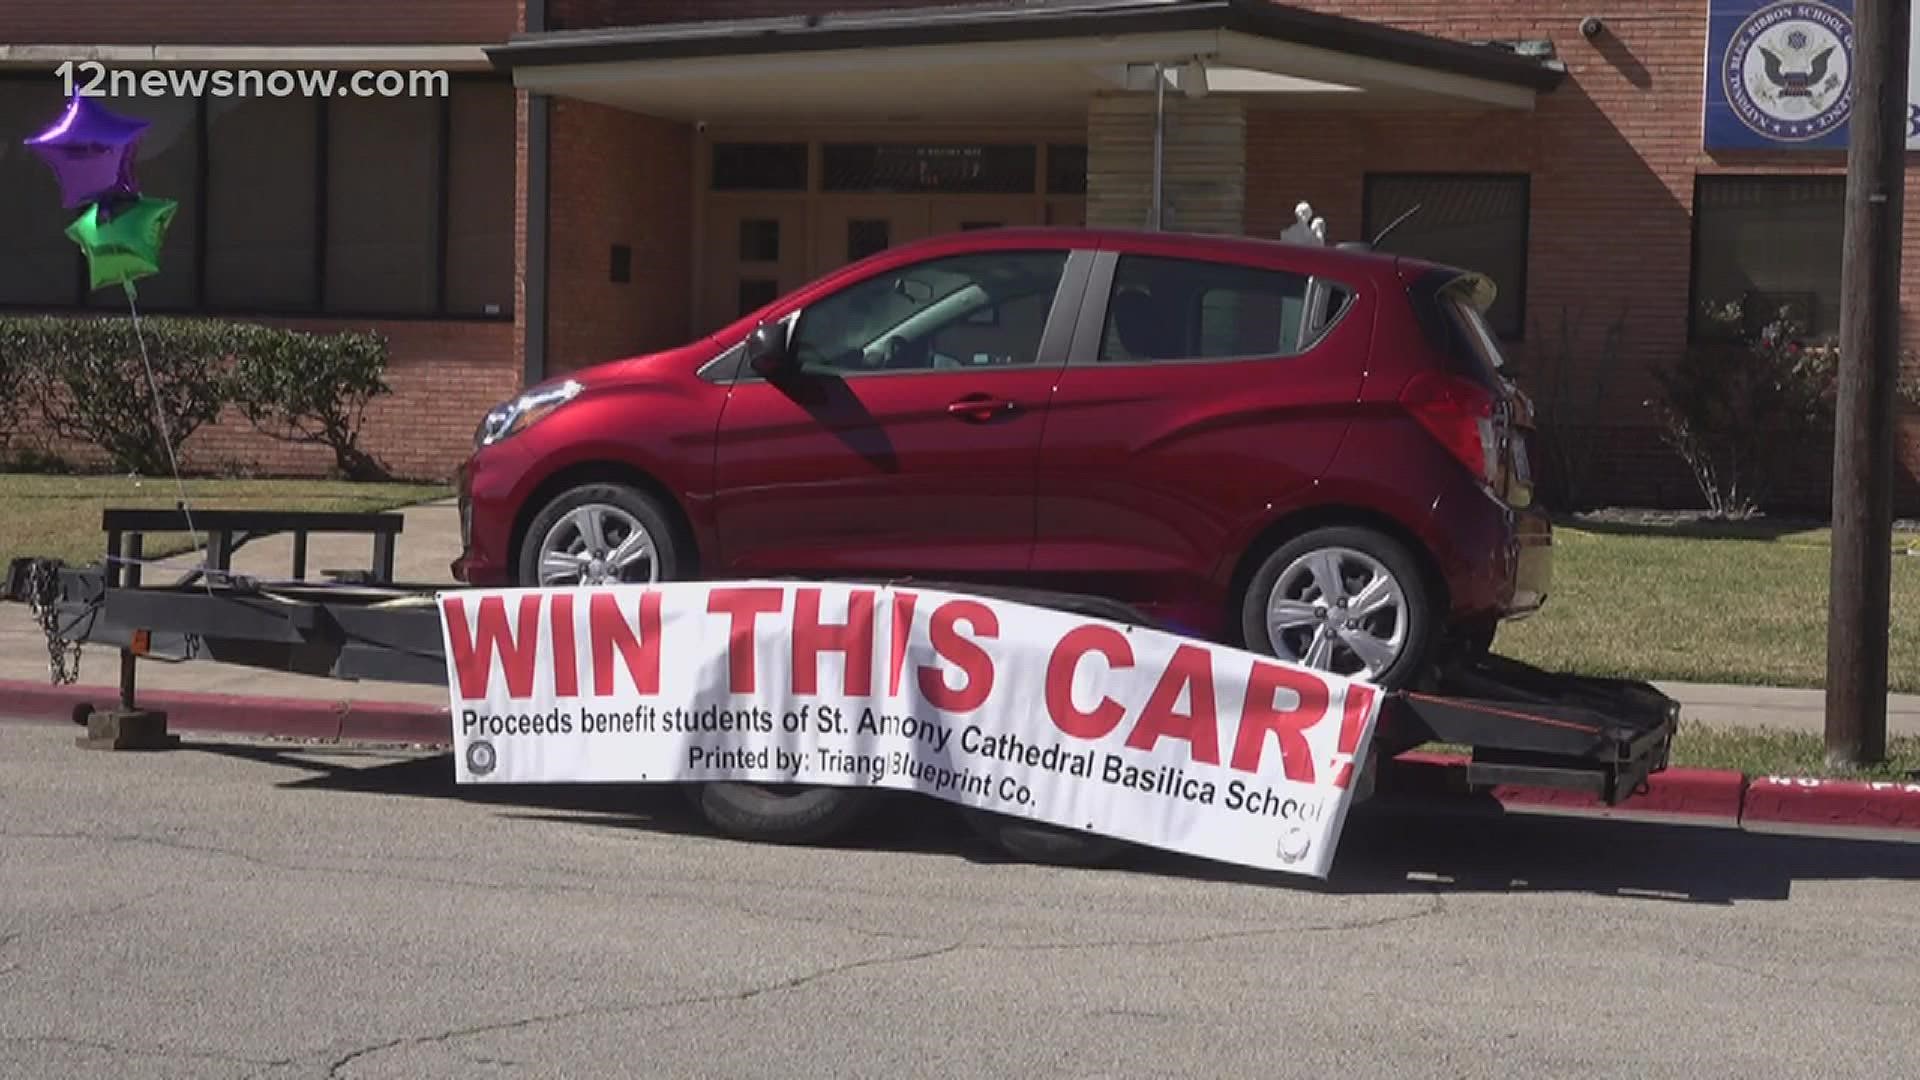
(431, 539)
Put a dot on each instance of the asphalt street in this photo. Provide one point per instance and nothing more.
(233, 909)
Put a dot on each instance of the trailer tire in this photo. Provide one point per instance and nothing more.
(769, 814)
(1050, 845)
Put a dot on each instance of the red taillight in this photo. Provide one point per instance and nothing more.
(1460, 415)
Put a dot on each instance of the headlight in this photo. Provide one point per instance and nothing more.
(522, 412)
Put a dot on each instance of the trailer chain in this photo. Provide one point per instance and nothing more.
(43, 602)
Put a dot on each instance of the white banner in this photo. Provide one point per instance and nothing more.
(1147, 736)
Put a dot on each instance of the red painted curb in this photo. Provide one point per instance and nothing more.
(1855, 807)
(358, 721)
(1691, 796)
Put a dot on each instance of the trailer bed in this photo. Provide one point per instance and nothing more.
(1602, 737)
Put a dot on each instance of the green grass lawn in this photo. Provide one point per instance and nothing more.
(1732, 604)
(59, 516)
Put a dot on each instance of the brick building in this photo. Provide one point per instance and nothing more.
(673, 162)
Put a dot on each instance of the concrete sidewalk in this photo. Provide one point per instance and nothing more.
(431, 539)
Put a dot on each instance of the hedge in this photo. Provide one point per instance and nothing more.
(90, 384)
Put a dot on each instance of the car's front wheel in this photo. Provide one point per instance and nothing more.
(1346, 600)
(599, 534)
(613, 534)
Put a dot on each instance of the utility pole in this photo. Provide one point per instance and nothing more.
(1861, 576)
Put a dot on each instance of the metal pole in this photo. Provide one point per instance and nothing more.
(1861, 574)
(1159, 141)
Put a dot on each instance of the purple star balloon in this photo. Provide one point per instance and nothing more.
(90, 151)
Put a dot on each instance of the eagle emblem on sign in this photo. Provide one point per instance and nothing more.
(1797, 83)
(1788, 70)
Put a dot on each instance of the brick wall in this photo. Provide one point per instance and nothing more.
(618, 178)
(255, 22)
(1612, 153)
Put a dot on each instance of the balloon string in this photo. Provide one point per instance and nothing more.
(166, 436)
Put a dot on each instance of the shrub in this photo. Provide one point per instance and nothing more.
(300, 387)
(1743, 404)
(313, 388)
(98, 388)
(14, 369)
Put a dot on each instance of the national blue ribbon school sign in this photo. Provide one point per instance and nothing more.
(1780, 75)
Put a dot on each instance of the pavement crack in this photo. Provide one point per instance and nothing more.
(733, 997)
(1435, 906)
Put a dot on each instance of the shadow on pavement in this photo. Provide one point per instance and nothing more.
(1458, 845)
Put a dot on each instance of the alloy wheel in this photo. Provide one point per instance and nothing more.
(1338, 610)
(598, 544)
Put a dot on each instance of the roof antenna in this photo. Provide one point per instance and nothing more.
(1392, 225)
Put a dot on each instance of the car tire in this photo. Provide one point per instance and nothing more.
(1050, 845)
(1355, 549)
(777, 814)
(617, 500)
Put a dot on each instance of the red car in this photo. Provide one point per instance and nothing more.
(1308, 451)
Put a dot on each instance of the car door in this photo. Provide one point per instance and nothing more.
(1200, 398)
(906, 441)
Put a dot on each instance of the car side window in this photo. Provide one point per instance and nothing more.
(983, 309)
(1190, 309)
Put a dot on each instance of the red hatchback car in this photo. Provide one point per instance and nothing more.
(1308, 451)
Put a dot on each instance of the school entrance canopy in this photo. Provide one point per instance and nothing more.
(1026, 59)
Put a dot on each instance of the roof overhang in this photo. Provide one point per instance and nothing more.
(1032, 60)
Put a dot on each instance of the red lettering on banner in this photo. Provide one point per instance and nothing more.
(1352, 718)
(743, 607)
(972, 660)
(852, 639)
(1259, 716)
(901, 629)
(566, 661)
(610, 631)
(474, 651)
(1099, 722)
(1190, 669)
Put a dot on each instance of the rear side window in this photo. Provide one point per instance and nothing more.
(1190, 309)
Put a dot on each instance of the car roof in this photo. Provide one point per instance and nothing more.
(1312, 258)
(1338, 263)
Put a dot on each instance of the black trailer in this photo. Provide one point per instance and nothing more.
(1599, 737)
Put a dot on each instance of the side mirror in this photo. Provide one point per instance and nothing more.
(767, 349)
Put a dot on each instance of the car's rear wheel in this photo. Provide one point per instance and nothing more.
(1346, 600)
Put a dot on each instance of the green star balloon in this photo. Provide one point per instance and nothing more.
(126, 246)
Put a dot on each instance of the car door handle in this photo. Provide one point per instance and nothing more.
(980, 408)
